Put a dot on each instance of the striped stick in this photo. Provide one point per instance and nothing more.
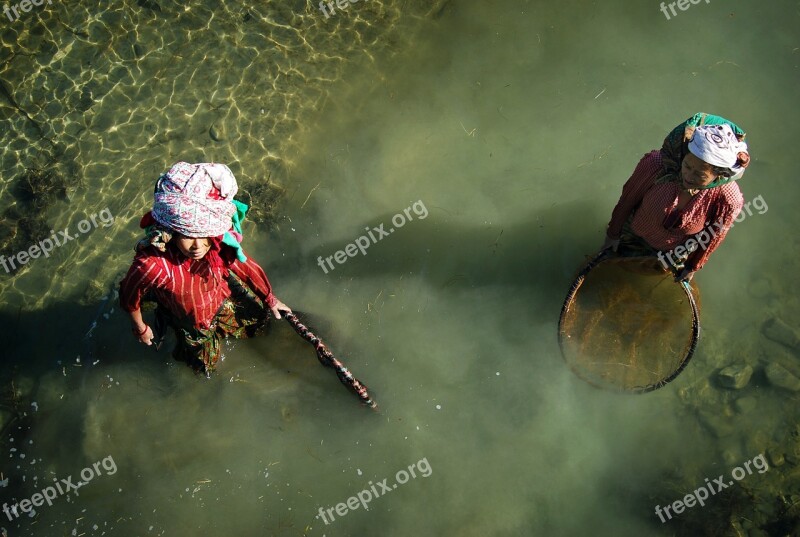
(327, 358)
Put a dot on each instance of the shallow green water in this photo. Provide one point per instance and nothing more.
(514, 125)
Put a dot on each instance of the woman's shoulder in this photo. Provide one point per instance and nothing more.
(648, 170)
(730, 196)
(731, 191)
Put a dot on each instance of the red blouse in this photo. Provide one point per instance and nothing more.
(657, 220)
(186, 287)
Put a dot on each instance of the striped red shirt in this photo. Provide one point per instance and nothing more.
(186, 287)
(657, 220)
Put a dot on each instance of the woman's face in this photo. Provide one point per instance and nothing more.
(192, 247)
(696, 173)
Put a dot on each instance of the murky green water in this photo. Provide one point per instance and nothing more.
(513, 124)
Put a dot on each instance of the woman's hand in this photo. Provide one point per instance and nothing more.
(144, 335)
(278, 308)
(140, 329)
(685, 274)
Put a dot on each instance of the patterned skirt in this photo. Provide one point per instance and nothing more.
(242, 315)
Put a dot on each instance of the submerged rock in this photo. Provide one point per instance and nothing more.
(775, 457)
(772, 352)
(700, 394)
(735, 377)
(781, 377)
(216, 133)
(757, 442)
(743, 405)
(777, 330)
(717, 425)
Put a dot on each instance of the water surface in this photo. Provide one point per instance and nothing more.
(514, 124)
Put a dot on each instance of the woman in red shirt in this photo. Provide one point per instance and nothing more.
(192, 264)
(681, 200)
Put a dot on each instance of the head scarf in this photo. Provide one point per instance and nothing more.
(195, 200)
(717, 145)
(675, 148)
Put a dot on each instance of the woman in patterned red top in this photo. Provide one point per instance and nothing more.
(681, 200)
(192, 264)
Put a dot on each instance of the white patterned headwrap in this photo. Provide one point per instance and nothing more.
(195, 199)
(717, 145)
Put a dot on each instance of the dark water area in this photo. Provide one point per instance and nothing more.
(490, 141)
